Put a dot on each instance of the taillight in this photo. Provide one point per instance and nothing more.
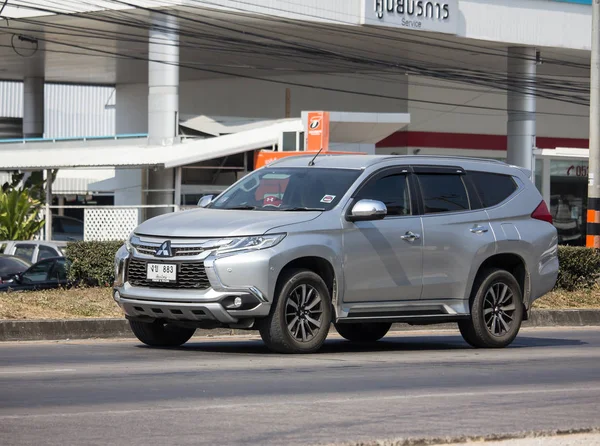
(542, 213)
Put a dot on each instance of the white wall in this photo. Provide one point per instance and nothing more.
(259, 99)
(70, 111)
(249, 98)
(453, 119)
(527, 22)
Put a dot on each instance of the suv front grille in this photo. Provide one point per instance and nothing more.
(189, 275)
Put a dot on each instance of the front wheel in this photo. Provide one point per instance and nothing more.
(159, 334)
(363, 332)
(301, 315)
(496, 311)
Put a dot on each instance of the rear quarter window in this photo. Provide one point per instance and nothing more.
(493, 188)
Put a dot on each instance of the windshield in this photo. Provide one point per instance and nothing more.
(288, 189)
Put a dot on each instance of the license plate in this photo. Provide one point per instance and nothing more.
(161, 272)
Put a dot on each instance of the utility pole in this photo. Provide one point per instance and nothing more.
(593, 213)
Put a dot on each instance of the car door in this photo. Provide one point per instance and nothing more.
(383, 258)
(456, 231)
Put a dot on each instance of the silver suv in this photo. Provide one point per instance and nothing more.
(358, 241)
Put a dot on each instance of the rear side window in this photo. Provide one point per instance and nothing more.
(45, 252)
(493, 188)
(25, 251)
(443, 193)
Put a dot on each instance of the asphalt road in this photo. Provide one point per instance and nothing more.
(236, 392)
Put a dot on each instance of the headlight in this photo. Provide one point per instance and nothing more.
(120, 258)
(246, 244)
(128, 245)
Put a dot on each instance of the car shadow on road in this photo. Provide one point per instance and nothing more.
(388, 344)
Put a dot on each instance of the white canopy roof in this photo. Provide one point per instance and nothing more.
(48, 155)
(345, 128)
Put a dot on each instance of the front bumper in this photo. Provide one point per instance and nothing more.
(185, 306)
(243, 275)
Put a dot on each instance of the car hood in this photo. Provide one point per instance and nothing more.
(200, 223)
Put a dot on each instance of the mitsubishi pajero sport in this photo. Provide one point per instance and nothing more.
(358, 241)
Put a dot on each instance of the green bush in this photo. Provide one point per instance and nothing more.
(579, 267)
(93, 262)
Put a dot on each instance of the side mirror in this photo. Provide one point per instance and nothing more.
(205, 201)
(365, 210)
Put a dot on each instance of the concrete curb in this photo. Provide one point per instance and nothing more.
(25, 330)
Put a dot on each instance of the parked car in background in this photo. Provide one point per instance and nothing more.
(10, 266)
(66, 228)
(47, 274)
(33, 250)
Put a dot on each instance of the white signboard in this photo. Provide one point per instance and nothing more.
(417, 15)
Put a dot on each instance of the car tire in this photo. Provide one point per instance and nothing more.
(496, 311)
(159, 334)
(363, 332)
(300, 317)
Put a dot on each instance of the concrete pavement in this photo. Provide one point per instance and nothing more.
(413, 384)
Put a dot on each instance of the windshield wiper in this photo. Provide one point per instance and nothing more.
(303, 208)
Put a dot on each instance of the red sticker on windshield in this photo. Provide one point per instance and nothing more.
(327, 198)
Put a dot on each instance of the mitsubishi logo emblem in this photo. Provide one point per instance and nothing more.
(164, 250)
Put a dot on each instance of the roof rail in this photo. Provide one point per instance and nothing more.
(469, 158)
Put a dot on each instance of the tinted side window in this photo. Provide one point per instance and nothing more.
(60, 270)
(25, 251)
(45, 252)
(38, 272)
(493, 188)
(392, 190)
(443, 193)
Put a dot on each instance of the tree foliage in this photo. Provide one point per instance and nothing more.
(19, 215)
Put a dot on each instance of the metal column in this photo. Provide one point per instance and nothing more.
(48, 216)
(593, 213)
(521, 106)
(163, 104)
(33, 107)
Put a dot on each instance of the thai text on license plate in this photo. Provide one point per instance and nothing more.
(162, 272)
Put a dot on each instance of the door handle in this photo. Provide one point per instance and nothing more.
(477, 229)
(410, 236)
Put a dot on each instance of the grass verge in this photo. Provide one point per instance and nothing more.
(59, 304)
(98, 303)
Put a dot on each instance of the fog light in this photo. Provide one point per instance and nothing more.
(117, 295)
(237, 302)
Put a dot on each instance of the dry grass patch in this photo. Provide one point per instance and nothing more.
(59, 304)
(560, 299)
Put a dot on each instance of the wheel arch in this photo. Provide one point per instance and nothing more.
(320, 266)
(514, 264)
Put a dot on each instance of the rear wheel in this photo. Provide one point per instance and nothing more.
(496, 311)
(159, 334)
(363, 332)
(301, 315)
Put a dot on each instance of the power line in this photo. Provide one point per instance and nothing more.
(457, 75)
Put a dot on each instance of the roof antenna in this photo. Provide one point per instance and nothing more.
(312, 161)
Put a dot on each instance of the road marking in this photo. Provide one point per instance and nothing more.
(23, 372)
(287, 402)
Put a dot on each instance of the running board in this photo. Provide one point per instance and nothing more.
(429, 319)
(414, 313)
